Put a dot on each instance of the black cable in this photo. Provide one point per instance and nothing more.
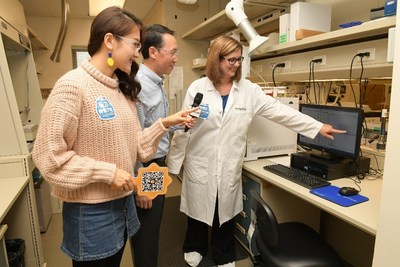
(351, 83)
(280, 65)
(360, 83)
(364, 90)
(313, 80)
(309, 84)
(311, 75)
(361, 55)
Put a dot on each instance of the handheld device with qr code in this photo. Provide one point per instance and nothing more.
(152, 181)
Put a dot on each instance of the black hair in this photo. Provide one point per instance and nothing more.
(153, 36)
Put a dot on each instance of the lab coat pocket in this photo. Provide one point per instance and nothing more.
(196, 169)
(234, 171)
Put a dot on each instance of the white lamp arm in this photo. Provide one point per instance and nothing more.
(235, 11)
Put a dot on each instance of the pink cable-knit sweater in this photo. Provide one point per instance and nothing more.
(89, 128)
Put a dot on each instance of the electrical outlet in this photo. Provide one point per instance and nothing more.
(288, 65)
(322, 58)
(371, 54)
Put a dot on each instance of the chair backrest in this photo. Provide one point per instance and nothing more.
(266, 221)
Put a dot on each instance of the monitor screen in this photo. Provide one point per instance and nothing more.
(343, 118)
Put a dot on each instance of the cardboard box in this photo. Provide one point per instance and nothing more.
(309, 16)
(303, 33)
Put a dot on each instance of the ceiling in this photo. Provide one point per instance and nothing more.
(79, 8)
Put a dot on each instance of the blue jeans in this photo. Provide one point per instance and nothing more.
(96, 231)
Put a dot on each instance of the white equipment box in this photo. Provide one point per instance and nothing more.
(267, 138)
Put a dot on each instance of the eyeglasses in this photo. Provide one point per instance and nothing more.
(132, 43)
(172, 52)
(233, 60)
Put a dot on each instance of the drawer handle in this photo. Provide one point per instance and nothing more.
(243, 213)
(244, 197)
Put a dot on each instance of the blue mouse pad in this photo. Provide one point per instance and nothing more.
(331, 193)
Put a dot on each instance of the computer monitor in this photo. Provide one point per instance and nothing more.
(343, 118)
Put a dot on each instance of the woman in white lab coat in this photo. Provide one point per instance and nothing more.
(212, 152)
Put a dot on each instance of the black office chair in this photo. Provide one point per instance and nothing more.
(291, 244)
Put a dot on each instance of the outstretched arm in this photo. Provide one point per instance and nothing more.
(328, 131)
(180, 118)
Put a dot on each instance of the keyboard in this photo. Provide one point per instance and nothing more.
(297, 176)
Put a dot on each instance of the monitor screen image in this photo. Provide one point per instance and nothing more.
(342, 118)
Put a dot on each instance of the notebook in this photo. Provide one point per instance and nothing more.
(331, 193)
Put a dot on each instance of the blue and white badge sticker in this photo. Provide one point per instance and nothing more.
(205, 111)
(104, 109)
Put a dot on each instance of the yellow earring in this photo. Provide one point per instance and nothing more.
(110, 60)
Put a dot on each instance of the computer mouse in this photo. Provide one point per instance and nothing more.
(348, 191)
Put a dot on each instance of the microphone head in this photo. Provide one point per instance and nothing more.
(197, 100)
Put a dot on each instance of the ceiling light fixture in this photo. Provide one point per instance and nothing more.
(187, 2)
(95, 6)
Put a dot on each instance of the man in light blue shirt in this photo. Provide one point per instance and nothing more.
(160, 55)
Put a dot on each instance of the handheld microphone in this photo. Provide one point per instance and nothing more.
(196, 102)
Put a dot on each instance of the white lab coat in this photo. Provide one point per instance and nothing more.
(212, 152)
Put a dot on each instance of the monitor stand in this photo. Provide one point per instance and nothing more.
(329, 169)
(322, 154)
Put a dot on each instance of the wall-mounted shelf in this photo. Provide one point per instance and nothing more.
(199, 66)
(36, 43)
(220, 23)
(371, 30)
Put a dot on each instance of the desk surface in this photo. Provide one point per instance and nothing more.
(10, 189)
(363, 215)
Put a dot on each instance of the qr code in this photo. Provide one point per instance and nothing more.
(152, 181)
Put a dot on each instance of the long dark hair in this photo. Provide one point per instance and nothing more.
(117, 21)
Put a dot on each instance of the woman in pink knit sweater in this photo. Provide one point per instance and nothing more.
(90, 138)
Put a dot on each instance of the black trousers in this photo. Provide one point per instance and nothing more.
(112, 261)
(222, 240)
(144, 244)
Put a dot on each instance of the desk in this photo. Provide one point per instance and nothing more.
(350, 230)
(10, 189)
(17, 211)
(363, 216)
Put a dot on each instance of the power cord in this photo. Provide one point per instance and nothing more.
(361, 56)
(311, 75)
(279, 65)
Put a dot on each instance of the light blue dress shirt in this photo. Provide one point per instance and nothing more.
(153, 104)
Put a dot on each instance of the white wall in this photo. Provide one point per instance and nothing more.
(47, 29)
(388, 235)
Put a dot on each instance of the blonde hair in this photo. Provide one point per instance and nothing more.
(221, 47)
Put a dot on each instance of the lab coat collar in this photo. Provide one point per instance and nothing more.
(210, 85)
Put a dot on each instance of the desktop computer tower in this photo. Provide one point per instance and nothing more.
(329, 169)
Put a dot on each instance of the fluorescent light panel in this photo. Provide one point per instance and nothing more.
(95, 6)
